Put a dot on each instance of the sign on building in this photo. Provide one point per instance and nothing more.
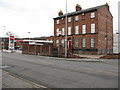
(11, 42)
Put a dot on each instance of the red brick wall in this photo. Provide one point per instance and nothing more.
(114, 56)
(45, 50)
(105, 27)
(101, 27)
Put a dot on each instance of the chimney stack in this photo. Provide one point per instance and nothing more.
(78, 7)
(60, 13)
(107, 5)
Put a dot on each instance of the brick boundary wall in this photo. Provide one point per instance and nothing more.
(112, 56)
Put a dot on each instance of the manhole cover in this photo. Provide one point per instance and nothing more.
(4, 66)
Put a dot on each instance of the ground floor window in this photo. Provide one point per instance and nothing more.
(92, 42)
(62, 43)
(76, 42)
(83, 42)
(57, 43)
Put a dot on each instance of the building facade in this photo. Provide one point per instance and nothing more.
(89, 31)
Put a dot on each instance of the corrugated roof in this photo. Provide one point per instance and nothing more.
(79, 12)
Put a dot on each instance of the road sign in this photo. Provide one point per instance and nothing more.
(11, 37)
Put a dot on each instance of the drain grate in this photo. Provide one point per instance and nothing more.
(4, 66)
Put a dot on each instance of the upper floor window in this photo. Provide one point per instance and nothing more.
(83, 14)
(92, 40)
(93, 28)
(69, 30)
(63, 31)
(76, 29)
(63, 20)
(57, 21)
(76, 42)
(57, 32)
(83, 29)
(69, 19)
(92, 15)
(76, 18)
(83, 42)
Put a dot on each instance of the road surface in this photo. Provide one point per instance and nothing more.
(59, 73)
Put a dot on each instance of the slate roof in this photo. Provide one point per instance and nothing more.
(79, 12)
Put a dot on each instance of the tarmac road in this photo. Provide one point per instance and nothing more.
(58, 73)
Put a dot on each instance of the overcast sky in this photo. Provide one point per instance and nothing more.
(36, 16)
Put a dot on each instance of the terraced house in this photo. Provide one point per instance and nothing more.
(90, 31)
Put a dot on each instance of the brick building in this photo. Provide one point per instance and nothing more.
(90, 31)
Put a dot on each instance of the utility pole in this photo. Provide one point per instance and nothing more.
(66, 33)
(4, 38)
(29, 37)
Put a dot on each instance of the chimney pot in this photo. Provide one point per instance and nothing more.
(60, 13)
(78, 7)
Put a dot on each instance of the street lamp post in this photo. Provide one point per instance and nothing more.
(66, 33)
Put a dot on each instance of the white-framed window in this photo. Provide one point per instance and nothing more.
(57, 30)
(63, 43)
(57, 43)
(76, 29)
(76, 42)
(63, 31)
(92, 40)
(76, 18)
(57, 21)
(69, 19)
(92, 15)
(84, 29)
(83, 42)
(93, 28)
(69, 30)
(83, 14)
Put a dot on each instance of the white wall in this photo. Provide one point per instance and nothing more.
(116, 43)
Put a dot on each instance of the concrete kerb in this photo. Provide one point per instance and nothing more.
(79, 60)
(85, 60)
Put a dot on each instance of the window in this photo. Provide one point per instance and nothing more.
(76, 29)
(83, 29)
(93, 28)
(62, 43)
(57, 43)
(63, 21)
(57, 32)
(57, 21)
(92, 42)
(83, 14)
(76, 18)
(84, 42)
(69, 30)
(76, 42)
(63, 31)
(93, 15)
(69, 19)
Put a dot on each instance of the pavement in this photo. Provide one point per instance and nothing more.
(9, 51)
(17, 82)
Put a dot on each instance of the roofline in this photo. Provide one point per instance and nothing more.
(80, 12)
